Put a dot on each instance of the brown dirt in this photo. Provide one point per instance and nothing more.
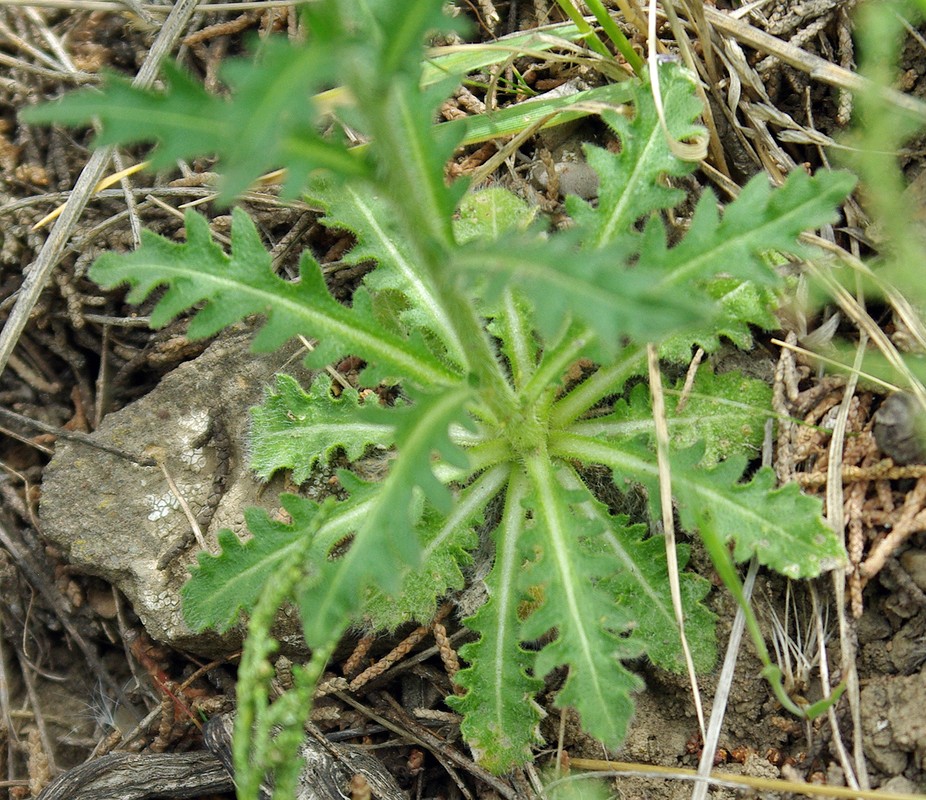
(77, 668)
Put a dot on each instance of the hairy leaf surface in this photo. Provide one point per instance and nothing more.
(595, 287)
(760, 219)
(243, 283)
(584, 622)
(185, 120)
(386, 544)
(422, 588)
(782, 527)
(501, 719)
(446, 544)
(503, 339)
(294, 429)
(743, 305)
(222, 586)
(727, 412)
(632, 182)
(640, 583)
(371, 219)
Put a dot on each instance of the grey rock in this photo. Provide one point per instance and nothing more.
(900, 785)
(117, 519)
(899, 429)
(914, 562)
(893, 725)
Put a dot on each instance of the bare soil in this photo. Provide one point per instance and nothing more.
(79, 674)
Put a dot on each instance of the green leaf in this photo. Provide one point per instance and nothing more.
(585, 624)
(640, 583)
(186, 120)
(498, 330)
(439, 572)
(295, 430)
(782, 527)
(386, 543)
(491, 212)
(500, 716)
(236, 286)
(269, 120)
(222, 586)
(595, 287)
(402, 115)
(792, 539)
(759, 220)
(358, 209)
(633, 182)
(273, 115)
(402, 28)
(727, 412)
(446, 542)
(512, 322)
(743, 305)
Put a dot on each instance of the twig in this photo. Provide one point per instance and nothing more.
(404, 725)
(724, 685)
(818, 68)
(848, 640)
(616, 769)
(37, 714)
(53, 597)
(668, 521)
(51, 252)
(135, 776)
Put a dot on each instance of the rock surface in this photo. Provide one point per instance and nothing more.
(118, 520)
(893, 723)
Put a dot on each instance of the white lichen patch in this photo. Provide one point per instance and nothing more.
(160, 505)
(193, 426)
(196, 422)
(195, 459)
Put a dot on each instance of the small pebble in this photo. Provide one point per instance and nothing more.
(899, 429)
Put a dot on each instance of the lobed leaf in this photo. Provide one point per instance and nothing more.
(222, 586)
(586, 586)
(185, 120)
(782, 527)
(727, 412)
(273, 116)
(269, 121)
(294, 429)
(386, 544)
(584, 623)
(786, 532)
(761, 218)
(641, 584)
(633, 182)
(500, 716)
(358, 208)
(234, 286)
(439, 572)
(743, 306)
(446, 544)
(595, 287)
